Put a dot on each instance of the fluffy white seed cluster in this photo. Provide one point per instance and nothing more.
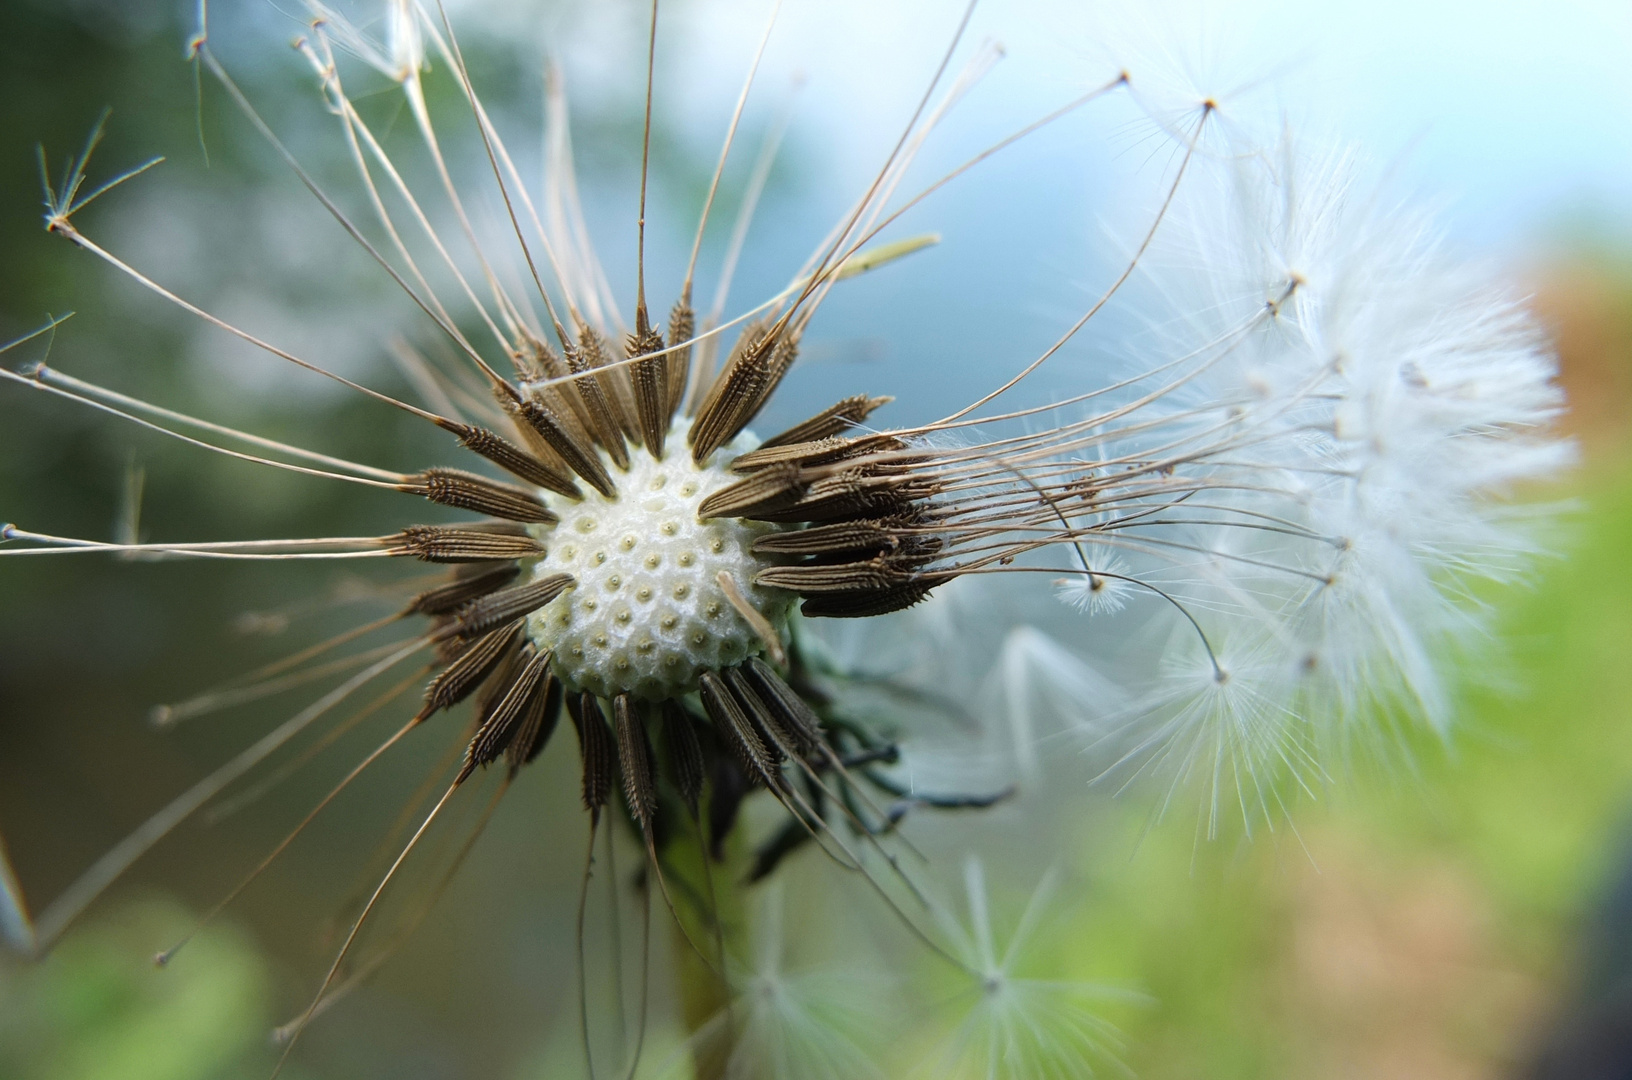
(1347, 419)
(1375, 401)
(648, 614)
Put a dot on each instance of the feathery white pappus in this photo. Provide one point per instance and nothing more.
(1385, 401)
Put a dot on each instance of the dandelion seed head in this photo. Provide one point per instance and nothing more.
(1381, 398)
(648, 615)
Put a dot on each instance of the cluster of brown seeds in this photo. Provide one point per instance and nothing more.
(844, 512)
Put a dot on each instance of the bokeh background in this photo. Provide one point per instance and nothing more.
(1464, 912)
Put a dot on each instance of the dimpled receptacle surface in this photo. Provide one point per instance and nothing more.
(648, 614)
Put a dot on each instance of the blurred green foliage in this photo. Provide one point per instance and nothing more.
(96, 1009)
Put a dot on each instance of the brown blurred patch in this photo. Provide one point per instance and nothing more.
(1586, 305)
(1395, 972)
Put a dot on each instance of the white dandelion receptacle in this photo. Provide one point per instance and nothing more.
(648, 614)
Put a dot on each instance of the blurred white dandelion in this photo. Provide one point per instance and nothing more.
(821, 1023)
(1388, 405)
(1012, 1024)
